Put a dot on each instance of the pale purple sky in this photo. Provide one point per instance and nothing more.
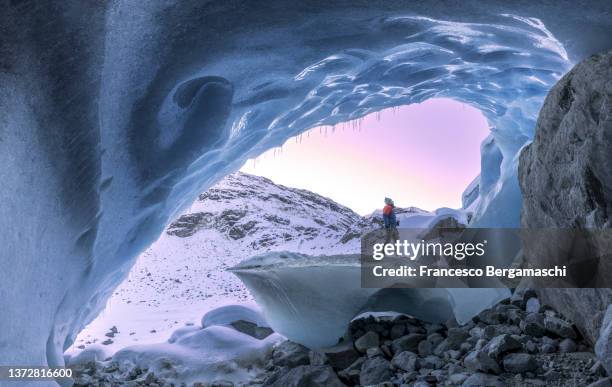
(420, 155)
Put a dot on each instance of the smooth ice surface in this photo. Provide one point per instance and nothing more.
(312, 299)
(115, 115)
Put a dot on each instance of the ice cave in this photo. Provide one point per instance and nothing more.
(116, 115)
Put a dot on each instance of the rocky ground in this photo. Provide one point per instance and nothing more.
(516, 343)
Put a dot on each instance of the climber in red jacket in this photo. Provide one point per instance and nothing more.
(390, 221)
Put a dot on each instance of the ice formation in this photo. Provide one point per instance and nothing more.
(311, 299)
(214, 351)
(116, 115)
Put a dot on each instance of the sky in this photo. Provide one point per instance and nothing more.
(421, 155)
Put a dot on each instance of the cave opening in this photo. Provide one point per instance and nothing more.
(424, 155)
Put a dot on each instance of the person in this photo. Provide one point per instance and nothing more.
(390, 221)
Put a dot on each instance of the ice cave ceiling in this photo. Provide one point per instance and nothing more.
(122, 112)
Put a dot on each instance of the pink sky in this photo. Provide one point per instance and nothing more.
(420, 155)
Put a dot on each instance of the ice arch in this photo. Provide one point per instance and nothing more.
(115, 115)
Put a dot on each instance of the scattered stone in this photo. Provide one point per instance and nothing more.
(431, 362)
(533, 325)
(456, 337)
(533, 305)
(480, 380)
(317, 357)
(520, 363)
(425, 348)
(409, 342)
(481, 361)
(406, 361)
(567, 345)
(375, 370)
(559, 327)
(373, 352)
(500, 345)
(342, 355)
(307, 375)
(290, 354)
(367, 341)
(397, 331)
(107, 342)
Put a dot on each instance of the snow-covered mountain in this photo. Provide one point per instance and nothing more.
(254, 214)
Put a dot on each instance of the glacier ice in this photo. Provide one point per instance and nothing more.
(201, 354)
(115, 115)
(312, 299)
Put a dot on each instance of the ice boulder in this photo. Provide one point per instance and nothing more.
(312, 299)
(212, 353)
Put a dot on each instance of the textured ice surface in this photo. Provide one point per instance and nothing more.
(201, 354)
(311, 299)
(115, 115)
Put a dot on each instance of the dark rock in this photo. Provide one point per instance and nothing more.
(317, 357)
(533, 325)
(397, 331)
(519, 363)
(307, 375)
(409, 342)
(375, 370)
(481, 361)
(559, 327)
(567, 345)
(457, 379)
(500, 345)
(431, 362)
(406, 361)
(367, 341)
(425, 348)
(598, 369)
(251, 329)
(373, 352)
(480, 380)
(605, 382)
(290, 354)
(342, 355)
(352, 372)
(456, 336)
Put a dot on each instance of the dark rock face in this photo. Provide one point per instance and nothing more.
(566, 175)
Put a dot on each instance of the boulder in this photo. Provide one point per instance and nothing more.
(290, 354)
(367, 341)
(406, 361)
(519, 363)
(480, 379)
(341, 355)
(375, 370)
(409, 342)
(572, 188)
